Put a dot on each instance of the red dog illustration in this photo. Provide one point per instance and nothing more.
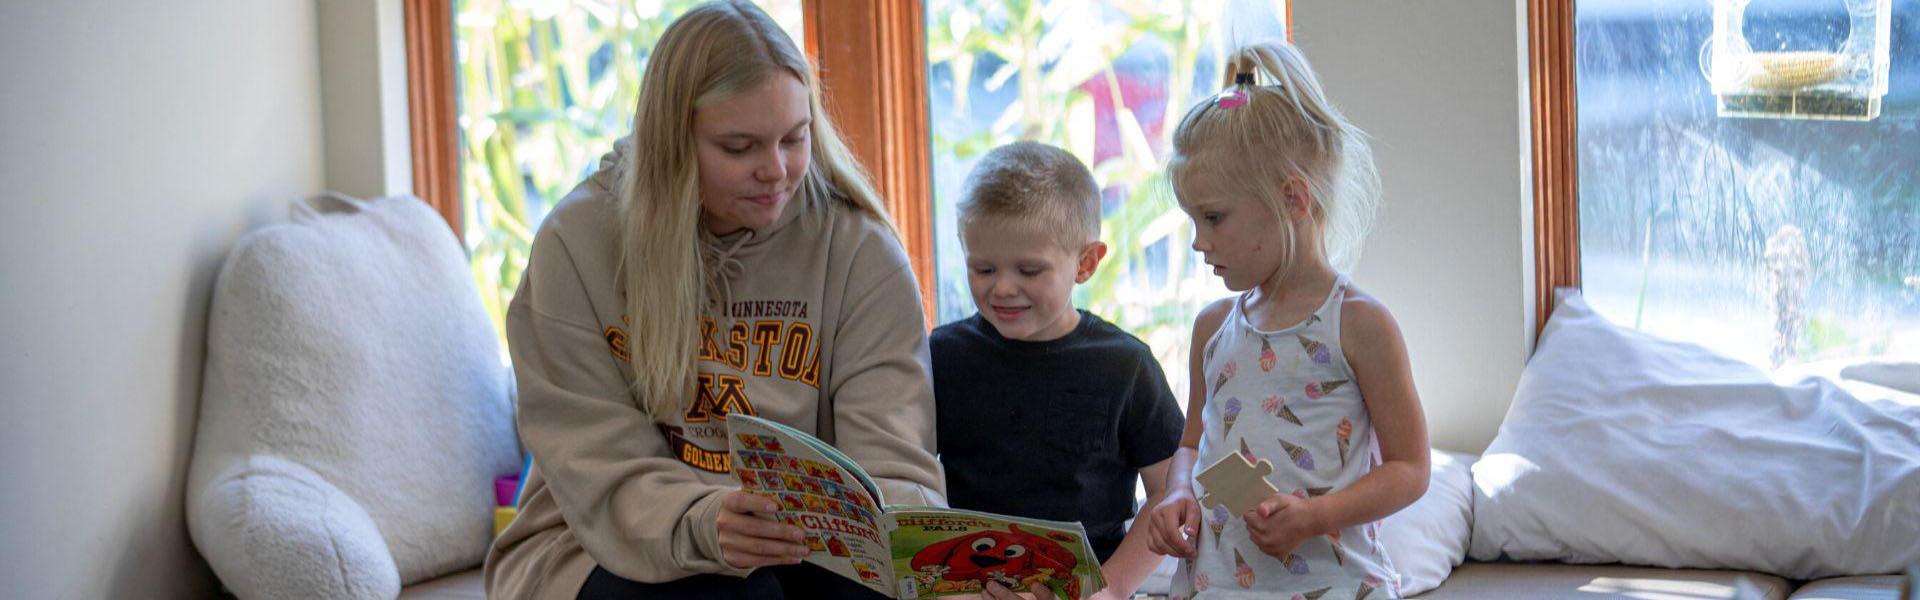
(1006, 557)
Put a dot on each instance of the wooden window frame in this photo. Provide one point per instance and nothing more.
(1555, 149)
(432, 114)
(876, 90)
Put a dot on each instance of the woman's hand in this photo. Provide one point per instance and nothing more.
(1281, 523)
(750, 537)
(1175, 524)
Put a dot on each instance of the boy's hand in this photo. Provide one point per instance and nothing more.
(995, 591)
(750, 537)
(1175, 525)
(1281, 523)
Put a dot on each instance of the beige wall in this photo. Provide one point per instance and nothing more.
(138, 140)
(1441, 87)
(363, 81)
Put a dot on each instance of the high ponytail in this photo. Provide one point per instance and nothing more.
(1273, 123)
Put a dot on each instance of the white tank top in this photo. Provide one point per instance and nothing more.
(1289, 397)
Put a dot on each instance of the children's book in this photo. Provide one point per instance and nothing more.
(902, 551)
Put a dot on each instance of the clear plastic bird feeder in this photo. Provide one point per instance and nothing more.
(1799, 59)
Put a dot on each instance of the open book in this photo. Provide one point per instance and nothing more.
(902, 551)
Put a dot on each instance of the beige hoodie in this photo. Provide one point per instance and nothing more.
(823, 306)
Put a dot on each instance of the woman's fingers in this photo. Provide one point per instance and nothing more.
(738, 501)
(749, 537)
(745, 556)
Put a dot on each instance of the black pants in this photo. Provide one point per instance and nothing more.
(796, 581)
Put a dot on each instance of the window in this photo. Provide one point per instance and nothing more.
(545, 87)
(1110, 89)
(1745, 182)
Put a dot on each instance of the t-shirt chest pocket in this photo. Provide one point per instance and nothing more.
(1074, 422)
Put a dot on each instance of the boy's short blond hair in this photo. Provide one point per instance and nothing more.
(1030, 184)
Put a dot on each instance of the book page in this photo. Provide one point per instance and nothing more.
(944, 552)
(816, 494)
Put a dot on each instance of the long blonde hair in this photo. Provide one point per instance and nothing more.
(1283, 127)
(712, 51)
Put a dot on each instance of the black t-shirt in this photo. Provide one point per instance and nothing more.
(1051, 430)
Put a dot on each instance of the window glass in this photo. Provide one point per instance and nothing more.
(1108, 81)
(1750, 173)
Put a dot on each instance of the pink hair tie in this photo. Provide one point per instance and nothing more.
(1229, 99)
(1235, 97)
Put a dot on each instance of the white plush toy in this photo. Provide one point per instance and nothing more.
(355, 408)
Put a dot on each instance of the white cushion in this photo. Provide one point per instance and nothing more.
(1622, 447)
(1428, 538)
(355, 408)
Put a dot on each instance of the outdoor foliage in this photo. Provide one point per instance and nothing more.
(546, 86)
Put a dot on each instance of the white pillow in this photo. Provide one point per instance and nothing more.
(1622, 447)
(354, 409)
(1428, 538)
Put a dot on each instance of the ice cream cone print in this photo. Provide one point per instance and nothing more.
(1300, 493)
(1318, 492)
(1226, 374)
(1300, 456)
(1278, 408)
(1318, 351)
(1366, 588)
(1320, 389)
(1345, 433)
(1200, 583)
(1267, 357)
(1218, 522)
(1242, 573)
(1247, 452)
(1295, 564)
(1231, 410)
(1316, 594)
(1339, 554)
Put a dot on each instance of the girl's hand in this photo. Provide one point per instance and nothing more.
(750, 537)
(1281, 523)
(1175, 524)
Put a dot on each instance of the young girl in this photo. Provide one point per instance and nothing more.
(1301, 369)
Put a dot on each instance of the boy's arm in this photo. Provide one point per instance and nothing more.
(1133, 561)
(1153, 429)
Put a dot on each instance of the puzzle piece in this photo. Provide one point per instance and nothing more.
(1236, 484)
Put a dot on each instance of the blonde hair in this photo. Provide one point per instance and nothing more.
(1285, 128)
(1033, 185)
(714, 50)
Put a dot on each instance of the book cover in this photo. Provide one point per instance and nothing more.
(901, 551)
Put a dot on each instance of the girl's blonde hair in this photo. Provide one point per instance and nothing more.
(1273, 124)
(714, 50)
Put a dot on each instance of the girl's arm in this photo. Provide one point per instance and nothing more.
(1378, 355)
(1175, 521)
(1133, 561)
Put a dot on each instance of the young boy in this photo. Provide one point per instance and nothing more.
(1045, 410)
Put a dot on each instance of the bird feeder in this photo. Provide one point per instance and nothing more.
(1800, 59)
